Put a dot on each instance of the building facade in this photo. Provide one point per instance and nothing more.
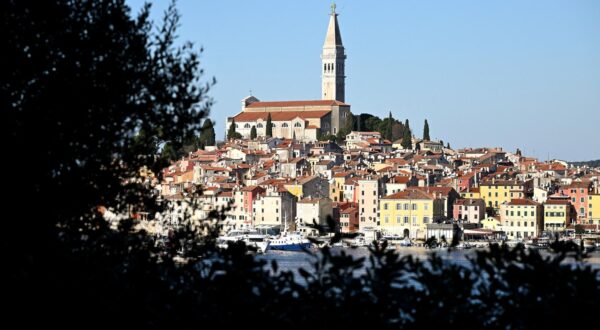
(521, 219)
(304, 120)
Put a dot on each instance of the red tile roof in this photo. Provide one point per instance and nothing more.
(522, 202)
(409, 194)
(295, 103)
(278, 116)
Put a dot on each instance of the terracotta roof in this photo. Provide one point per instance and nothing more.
(557, 202)
(278, 116)
(399, 179)
(409, 194)
(284, 104)
(440, 190)
(522, 202)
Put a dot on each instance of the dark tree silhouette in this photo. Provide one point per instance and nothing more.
(406, 137)
(426, 131)
(231, 133)
(253, 133)
(207, 136)
(388, 128)
(269, 129)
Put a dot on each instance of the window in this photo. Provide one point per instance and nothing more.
(573, 199)
(385, 206)
(297, 125)
(362, 193)
(512, 213)
(414, 206)
(398, 207)
(398, 218)
(387, 219)
(247, 125)
(531, 226)
(583, 199)
(414, 221)
(406, 220)
(284, 125)
(525, 213)
(273, 125)
(259, 125)
(405, 206)
(425, 219)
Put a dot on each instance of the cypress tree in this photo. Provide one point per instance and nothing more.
(388, 129)
(231, 132)
(253, 133)
(269, 132)
(426, 131)
(407, 136)
(207, 136)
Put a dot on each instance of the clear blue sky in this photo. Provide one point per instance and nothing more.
(507, 73)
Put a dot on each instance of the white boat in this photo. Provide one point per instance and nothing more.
(395, 240)
(290, 241)
(251, 237)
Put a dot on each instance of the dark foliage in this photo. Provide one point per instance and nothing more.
(253, 133)
(426, 131)
(269, 129)
(88, 93)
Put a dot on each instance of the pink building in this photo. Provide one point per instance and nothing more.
(249, 194)
(470, 209)
(465, 181)
(578, 192)
(349, 218)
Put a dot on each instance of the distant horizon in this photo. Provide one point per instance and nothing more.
(496, 74)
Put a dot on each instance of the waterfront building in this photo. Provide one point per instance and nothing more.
(408, 212)
(521, 218)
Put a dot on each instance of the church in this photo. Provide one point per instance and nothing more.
(304, 120)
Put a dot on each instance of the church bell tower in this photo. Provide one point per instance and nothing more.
(333, 62)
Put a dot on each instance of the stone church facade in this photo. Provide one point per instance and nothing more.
(304, 120)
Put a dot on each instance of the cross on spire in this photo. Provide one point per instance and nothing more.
(333, 8)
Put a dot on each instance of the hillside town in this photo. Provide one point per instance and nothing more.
(370, 184)
(311, 167)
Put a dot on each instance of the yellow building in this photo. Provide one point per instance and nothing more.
(556, 215)
(408, 212)
(594, 209)
(308, 186)
(471, 193)
(336, 188)
(521, 218)
(497, 192)
(490, 223)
